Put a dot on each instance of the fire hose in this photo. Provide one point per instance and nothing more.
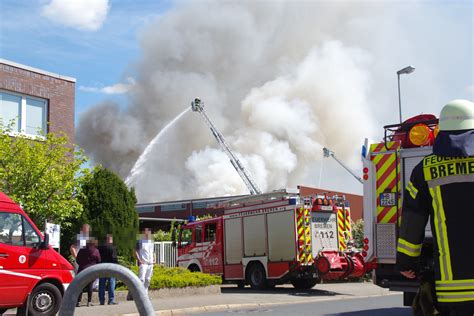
(106, 270)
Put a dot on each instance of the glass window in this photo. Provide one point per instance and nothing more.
(10, 110)
(186, 237)
(35, 119)
(32, 238)
(210, 232)
(11, 229)
(198, 234)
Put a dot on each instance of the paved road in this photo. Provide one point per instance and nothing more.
(382, 305)
(231, 298)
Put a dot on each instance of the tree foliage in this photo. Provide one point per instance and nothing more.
(43, 175)
(109, 207)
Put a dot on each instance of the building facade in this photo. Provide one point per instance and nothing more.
(35, 101)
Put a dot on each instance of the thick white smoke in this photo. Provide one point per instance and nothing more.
(280, 80)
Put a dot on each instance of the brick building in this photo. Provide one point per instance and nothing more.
(159, 215)
(37, 101)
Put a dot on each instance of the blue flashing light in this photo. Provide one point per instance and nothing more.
(191, 218)
(364, 151)
(292, 201)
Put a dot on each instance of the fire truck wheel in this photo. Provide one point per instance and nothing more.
(304, 284)
(256, 277)
(45, 300)
(194, 268)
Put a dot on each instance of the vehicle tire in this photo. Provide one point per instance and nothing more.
(304, 284)
(256, 277)
(45, 300)
(194, 268)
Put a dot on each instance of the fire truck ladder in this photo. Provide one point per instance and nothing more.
(198, 106)
(330, 153)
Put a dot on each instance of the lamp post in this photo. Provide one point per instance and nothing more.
(406, 70)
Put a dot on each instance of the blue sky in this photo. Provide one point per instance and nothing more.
(96, 58)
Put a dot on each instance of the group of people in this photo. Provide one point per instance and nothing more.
(87, 253)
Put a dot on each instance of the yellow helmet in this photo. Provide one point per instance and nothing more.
(457, 115)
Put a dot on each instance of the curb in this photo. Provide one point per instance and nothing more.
(223, 307)
(120, 296)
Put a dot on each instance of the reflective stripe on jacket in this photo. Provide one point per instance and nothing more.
(441, 189)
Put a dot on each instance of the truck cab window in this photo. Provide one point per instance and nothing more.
(11, 229)
(198, 234)
(186, 237)
(210, 232)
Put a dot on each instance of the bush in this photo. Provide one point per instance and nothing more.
(358, 233)
(176, 278)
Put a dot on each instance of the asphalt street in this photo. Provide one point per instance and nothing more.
(369, 306)
(324, 299)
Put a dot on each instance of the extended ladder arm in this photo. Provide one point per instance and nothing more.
(198, 106)
(329, 153)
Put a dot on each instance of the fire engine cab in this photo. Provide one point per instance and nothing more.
(387, 167)
(274, 238)
(33, 276)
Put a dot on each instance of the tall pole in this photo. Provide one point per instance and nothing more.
(399, 99)
(406, 71)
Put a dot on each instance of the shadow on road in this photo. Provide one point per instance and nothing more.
(280, 290)
(397, 311)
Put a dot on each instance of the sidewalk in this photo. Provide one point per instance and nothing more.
(231, 296)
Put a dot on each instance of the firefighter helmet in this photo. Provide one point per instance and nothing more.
(457, 115)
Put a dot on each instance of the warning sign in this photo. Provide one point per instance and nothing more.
(324, 231)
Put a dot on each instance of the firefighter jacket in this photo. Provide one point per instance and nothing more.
(441, 189)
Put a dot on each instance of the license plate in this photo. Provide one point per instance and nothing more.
(388, 199)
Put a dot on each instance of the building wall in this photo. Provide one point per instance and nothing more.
(58, 90)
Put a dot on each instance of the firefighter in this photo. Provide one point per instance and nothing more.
(441, 189)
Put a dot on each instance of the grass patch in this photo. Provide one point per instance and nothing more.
(175, 278)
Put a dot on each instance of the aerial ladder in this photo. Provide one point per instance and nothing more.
(198, 106)
(329, 153)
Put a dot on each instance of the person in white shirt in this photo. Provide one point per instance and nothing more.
(145, 254)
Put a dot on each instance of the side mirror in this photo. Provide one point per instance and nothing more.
(45, 243)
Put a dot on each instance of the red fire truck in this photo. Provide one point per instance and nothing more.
(387, 166)
(33, 276)
(274, 238)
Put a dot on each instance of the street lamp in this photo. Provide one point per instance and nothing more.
(406, 70)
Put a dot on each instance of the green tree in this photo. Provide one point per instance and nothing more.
(43, 175)
(109, 207)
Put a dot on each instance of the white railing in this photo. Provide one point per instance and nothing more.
(165, 253)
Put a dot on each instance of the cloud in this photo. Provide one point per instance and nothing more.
(117, 88)
(85, 15)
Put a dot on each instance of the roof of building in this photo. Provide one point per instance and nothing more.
(32, 69)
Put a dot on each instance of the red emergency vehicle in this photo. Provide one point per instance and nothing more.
(387, 166)
(274, 238)
(33, 276)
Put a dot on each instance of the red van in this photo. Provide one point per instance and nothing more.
(33, 276)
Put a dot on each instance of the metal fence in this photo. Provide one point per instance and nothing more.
(165, 253)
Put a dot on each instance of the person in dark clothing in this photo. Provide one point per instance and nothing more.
(87, 257)
(108, 254)
(441, 189)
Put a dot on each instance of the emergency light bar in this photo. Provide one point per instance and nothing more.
(418, 131)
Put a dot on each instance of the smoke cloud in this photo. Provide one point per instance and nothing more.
(281, 80)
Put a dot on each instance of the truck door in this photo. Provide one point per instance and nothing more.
(212, 255)
(18, 240)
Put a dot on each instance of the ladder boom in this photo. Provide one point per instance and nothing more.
(198, 106)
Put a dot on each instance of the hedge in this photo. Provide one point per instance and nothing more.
(176, 278)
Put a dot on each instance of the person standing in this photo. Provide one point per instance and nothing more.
(81, 240)
(86, 257)
(145, 254)
(441, 189)
(108, 254)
